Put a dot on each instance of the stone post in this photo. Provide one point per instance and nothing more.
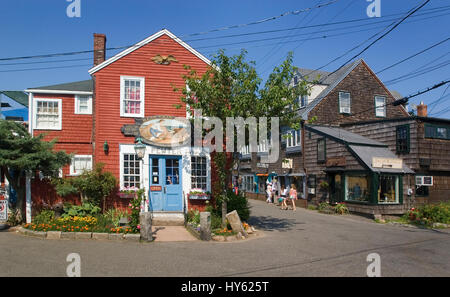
(205, 226)
(145, 220)
(235, 222)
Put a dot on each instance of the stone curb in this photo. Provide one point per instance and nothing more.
(79, 235)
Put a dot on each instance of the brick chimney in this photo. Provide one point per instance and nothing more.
(99, 48)
(422, 110)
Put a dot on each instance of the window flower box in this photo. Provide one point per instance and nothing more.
(128, 193)
(198, 194)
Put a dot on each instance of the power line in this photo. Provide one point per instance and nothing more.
(436, 102)
(432, 10)
(414, 55)
(381, 37)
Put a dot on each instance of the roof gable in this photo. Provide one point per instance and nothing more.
(18, 96)
(144, 42)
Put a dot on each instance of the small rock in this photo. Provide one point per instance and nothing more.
(253, 229)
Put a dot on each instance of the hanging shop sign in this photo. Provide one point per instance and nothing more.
(393, 163)
(287, 163)
(165, 131)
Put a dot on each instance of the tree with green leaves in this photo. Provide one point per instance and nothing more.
(93, 186)
(232, 88)
(21, 153)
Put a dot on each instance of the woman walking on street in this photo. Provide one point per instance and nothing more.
(269, 193)
(283, 197)
(293, 196)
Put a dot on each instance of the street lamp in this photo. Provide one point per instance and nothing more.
(139, 148)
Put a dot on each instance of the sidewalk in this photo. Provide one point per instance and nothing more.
(172, 233)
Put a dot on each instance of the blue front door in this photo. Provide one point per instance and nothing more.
(165, 183)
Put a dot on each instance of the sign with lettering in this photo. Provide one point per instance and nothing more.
(393, 163)
(165, 131)
(155, 188)
(287, 163)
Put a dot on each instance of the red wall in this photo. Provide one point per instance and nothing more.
(160, 97)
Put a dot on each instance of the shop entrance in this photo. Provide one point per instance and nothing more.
(165, 184)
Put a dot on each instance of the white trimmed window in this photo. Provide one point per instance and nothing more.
(83, 104)
(199, 173)
(344, 102)
(380, 106)
(80, 163)
(132, 96)
(48, 114)
(293, 138)
(131, 172)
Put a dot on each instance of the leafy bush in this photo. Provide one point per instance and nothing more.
(86, 209)
(135, 206)
(44, 217)
(114, 215)
(94, 186)
(341, 208)
(236, 202)
(428, 214)
(194, 216)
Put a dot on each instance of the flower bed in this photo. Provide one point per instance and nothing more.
(76, 224)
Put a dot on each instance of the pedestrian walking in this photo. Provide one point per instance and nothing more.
(269, 193)
(283, 197)
(293, 196)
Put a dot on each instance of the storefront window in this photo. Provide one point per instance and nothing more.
(357, 188)
(388, 190)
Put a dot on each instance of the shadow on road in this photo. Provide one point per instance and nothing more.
(268, 223)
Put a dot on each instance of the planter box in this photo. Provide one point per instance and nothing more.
(199, 196)
(126, 195)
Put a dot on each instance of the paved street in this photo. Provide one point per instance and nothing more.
(301, 243)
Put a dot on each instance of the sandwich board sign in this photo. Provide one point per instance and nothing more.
(3, 210)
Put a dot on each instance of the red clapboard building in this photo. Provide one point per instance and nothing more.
(130, 98)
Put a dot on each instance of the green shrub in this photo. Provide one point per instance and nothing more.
(324, 207)
(44, 217)
(341, 208)
(428, 214)
(84, 210)
(312, 207)
(194, 216)
(236, 202)
(114, 215)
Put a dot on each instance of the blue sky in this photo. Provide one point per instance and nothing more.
(30, 27)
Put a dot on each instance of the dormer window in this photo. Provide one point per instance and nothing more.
(132, 95)
(344, 102)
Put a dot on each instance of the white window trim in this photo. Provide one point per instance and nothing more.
(72, 168)
(379, 107)
(292, 138)
(142, 93)
(349, 104)
(77, 104)
(36, 100)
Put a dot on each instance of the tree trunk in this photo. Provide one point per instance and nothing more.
(224, 214)
(19, 205)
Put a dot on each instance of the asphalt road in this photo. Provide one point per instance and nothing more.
(301, 243)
